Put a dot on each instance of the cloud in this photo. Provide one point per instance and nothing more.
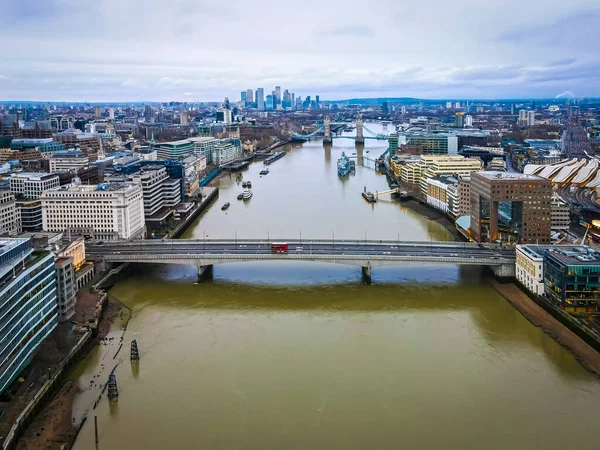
(206, 50)
(360, 31)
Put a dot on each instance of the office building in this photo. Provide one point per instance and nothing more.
(318, 102)
(41, 129)
(433, 165)
(522, 117)
(174, 149)
(468, 121)
(270, 105)
(244, 97)
(429, 142)
(403, 110)
(249, 96)
(442, 194)
(66, 288)
(277, 95)
(73, 159)
(90, 144)
(260, 99)
(529, 269)
(510, 207)
(111, 113)
(530, 118)
(29, 308)
(9, 126)
(226, 151)
(183, 118)
(106, 212)
(27, 188)
(224, 116)
(47, 147)
(30, 185)
(159, 191)
(10, 223)
(571, 278)
(459, 121)
(561, 218)
(464, 195)
(7, 154)
(61, 123)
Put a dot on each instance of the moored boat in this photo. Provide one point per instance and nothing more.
(225, 206)
(247, 194)
(343, 165)
(369, 196)
(240, 196)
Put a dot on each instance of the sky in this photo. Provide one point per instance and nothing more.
(201, 50)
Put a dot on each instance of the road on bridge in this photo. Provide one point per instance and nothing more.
(350, 248)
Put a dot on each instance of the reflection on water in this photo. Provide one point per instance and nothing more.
(298, 355)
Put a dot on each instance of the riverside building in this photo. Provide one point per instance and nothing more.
(109, 211)
(28, 305)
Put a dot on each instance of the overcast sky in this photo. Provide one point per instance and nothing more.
(188, 50)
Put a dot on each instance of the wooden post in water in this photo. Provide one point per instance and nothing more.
(96, 428)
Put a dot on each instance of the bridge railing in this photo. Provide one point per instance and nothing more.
(386, 242)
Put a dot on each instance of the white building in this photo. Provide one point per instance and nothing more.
(560, 214)
(109, 211)
(159, 191)
(28, 187)
(522, 117)
(111, 113)
(530, 268)
(31, 184)
(468, 121)
(68, 160)
(10, 223)
(530, 118)
(226, 151)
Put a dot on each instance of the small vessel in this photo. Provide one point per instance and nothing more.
(225, 206)
(247, 194)
(264, 171)
(240, 196)
(343, 165)
(249, 185)
(369, 196)
(245, 184)
(274, 158)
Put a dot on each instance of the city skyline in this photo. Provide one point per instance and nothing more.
(341, 50)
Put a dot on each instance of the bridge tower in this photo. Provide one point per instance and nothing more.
(359, 131)
(327, 131)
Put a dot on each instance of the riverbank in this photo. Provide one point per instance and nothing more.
(587, 356)
(56, 427)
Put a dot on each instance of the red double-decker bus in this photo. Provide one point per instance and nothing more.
(279, 247)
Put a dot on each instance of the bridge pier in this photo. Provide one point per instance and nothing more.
(366, 274)
(360, 139)
(327, 131)
(205, 273)
(504, 272)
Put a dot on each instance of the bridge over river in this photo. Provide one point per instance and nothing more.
(204, 253)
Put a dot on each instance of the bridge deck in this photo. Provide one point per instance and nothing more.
(354, 252)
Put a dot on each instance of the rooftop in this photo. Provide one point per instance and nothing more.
(507, 176)
(575, 255)
(36, 176)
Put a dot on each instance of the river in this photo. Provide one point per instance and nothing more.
(302, 355)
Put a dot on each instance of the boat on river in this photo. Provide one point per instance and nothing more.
(247, 194)
(264, 172)
(343, 165)
(225, 206)
(240, 196)
(369, 196)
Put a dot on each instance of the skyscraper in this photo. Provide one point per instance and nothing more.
(260, 98)
(244, 97)
(384, 108)
(278, 94)
(249, 96)
(270, 102)
(317, 105)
